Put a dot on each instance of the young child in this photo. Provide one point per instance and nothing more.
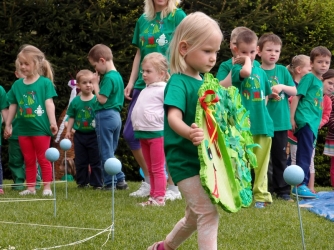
(110, 98)
(4, 113)
(193, 50)
(254, 86)
(153, 33)
(81, 118)
(147, 120)
(329, 148)
(31, 99)
(306, 111)
(269, 49)
(15, 157)
(224, 70)
(71, 173)
(327, 108)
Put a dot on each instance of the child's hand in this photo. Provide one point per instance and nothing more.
(196, 134)
(278, 88)
(54, 129)
(293, 124)
(127, 91)
(275, 96)
(240, 60)
(8, 131)
(68, 135)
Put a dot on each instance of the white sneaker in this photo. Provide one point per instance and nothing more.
(47, 192)
(27, 192)
(172, 195)
(143, 191)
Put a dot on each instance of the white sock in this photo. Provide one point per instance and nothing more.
(173, 188)
(147, 180)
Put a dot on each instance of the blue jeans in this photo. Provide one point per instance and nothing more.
(108, 128)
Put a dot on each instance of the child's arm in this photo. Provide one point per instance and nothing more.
(293, 108)
(289, 90)
(10, 116)
(70, 123)
(192, 133)
(96, 87)
(4, 113)
(246, 69)
(227, 82)
(133, 76)
(50, 111)
(327, 109)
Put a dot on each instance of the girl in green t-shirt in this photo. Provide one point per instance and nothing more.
(193, 50)
(31, 98)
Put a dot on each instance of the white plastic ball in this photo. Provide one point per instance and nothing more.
(65, 144)
(52, 154)
(112, 166)
(293, 175)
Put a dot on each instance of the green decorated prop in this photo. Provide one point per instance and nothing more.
(226, 153)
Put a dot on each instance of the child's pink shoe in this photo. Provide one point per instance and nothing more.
(1, 191)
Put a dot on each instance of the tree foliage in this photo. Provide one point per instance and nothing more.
(66, 30)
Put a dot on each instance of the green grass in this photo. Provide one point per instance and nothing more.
(275, 227)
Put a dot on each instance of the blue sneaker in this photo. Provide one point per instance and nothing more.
(303, 192)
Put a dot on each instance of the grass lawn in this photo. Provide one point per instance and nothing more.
(32, 225)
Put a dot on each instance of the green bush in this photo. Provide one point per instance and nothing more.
(66, 29)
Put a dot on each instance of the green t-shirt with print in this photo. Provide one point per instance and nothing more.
(181, 155)
(309, 109)
(225, 68)
(154, 36)
(112, 87)
(31, 116)
(279, 110)
(3, 103)
(83, 114)
(253, 91)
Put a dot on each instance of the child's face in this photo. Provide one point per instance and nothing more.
(328, 86)
(151, 74)
(85, 84)
(18, 74)
(159, 5)
(26, 66)
(320, 65)
(203, 58)
(244, 49)
(233, 44)
(303, 70)
(270, 53)
(99, 66)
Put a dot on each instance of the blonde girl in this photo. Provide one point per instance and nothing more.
(153, 33)
(148, 124)
(193, 50)
(31, 99)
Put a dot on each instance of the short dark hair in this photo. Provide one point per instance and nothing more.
(269, 37)
(319, 51)
(247, 36)
(100, 51)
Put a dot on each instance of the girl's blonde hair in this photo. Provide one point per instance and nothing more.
(149, 9)
(70, 166)
(194, 29)
(297, 61)
(159, 62)
(42, 66)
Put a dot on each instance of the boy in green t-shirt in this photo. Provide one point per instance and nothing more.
(81, 119)
(110, 98)
(253, 86)
(224, 71)
(282, 85)
(306, 112)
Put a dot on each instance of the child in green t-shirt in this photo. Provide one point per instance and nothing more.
(254, 87)
(193, 50)
(282, 85)
(81, 119)
(306, 113)
(110, 99)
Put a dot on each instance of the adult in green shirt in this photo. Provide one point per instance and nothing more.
(153, 33)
